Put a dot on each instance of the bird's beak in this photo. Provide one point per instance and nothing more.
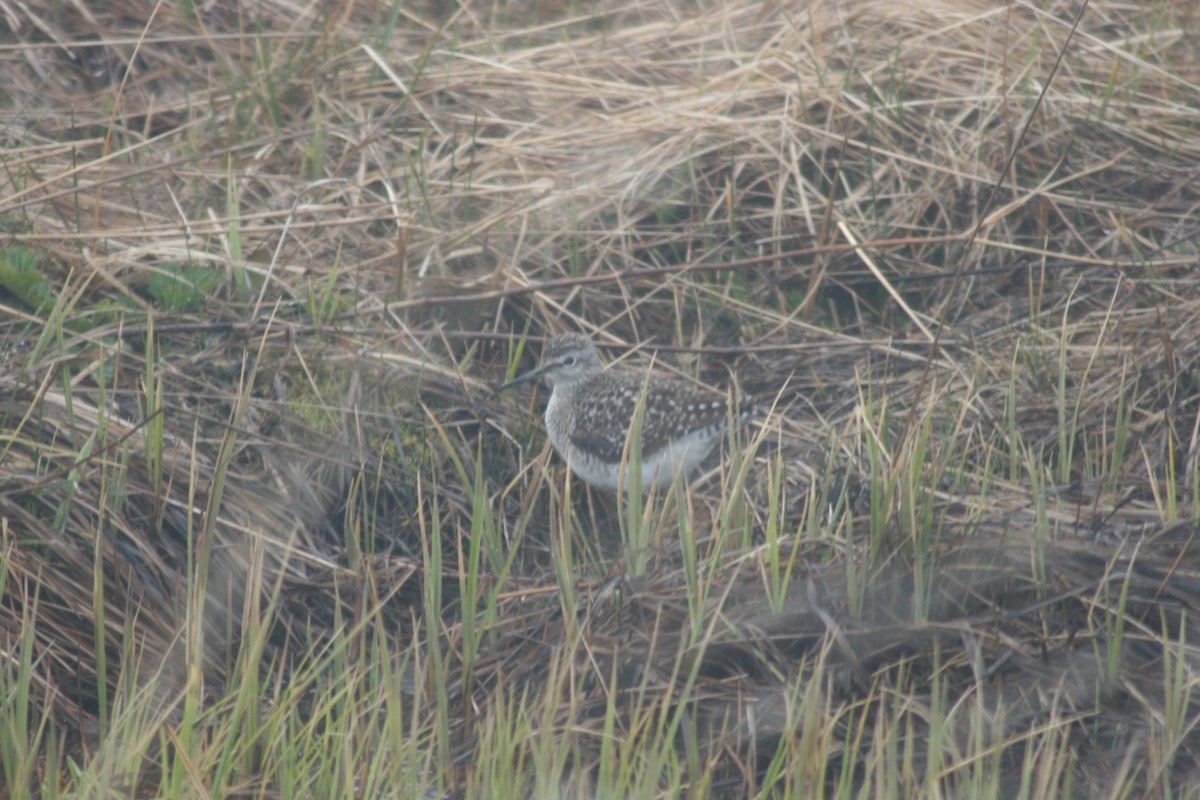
(533, 374)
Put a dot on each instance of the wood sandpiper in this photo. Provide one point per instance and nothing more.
(592, 409)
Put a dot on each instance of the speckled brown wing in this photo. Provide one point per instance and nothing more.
(602, 415)
(673, 409)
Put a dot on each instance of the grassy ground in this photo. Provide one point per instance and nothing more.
(267, 530)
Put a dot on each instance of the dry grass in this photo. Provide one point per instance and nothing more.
(261, 267)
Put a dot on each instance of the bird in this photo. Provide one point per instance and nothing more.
(591, 412)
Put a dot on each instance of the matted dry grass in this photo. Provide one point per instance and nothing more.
(963, 282)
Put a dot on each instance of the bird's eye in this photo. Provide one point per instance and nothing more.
(569, 361)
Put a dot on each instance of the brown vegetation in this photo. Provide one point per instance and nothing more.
(261, 272)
